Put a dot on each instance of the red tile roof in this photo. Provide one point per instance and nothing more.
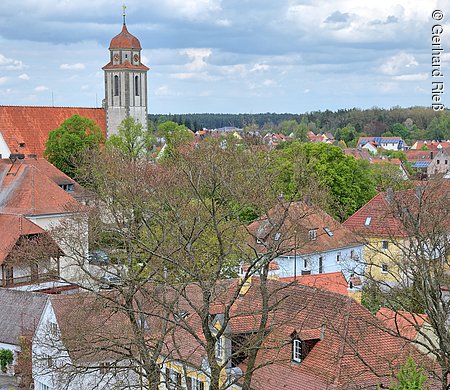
(12, 227)
(402, 322)
(125, 40)
(422, 155)
(31, 125)
(334, 281)
(126, 65)
(346, 339)
(375, 218)
(294, 231)
(31, 191)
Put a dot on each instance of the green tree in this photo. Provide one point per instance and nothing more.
(348, 133)
(400, 130)
(410, 377)
(439, 128)
(65, 144)
(348, 180)
(6, 357)
(132, 140)
(174, 135)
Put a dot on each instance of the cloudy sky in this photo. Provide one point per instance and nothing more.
(227, 55)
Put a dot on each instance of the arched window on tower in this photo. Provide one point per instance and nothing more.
(116, 85)
(136, 85)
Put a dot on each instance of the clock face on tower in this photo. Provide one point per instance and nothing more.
(116, 57)
(136, 58)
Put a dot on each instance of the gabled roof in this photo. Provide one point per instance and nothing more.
(31, 192)
(375, 218)
(25, 129)
(412, 155)
(12, 227)
(299, 219)
(20, 313)
(333, 281)
(345, 336)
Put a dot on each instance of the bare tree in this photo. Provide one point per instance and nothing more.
(407, 266)
(168, 231)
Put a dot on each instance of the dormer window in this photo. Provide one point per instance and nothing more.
(296, 350)
(312, 234)
(219, 349)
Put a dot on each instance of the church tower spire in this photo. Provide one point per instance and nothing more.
(125, 81)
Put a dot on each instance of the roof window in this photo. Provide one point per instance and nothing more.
(328, 231)
(368, 220)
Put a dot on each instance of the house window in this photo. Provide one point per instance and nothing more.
(173, 380)
(49, 361)
(197, 384)
(384, 268)
(446, 162)
(136, 85)
(328, 231)
(338, 257)
(53, 329)
(352, 254)
(105, 367)
(320, 265)
(277, 236)
(41, 386)
(312, 234)
(297, 350)
(368, 220)
(384, 244)
(116, 85)
(437, 161)
(219, 348)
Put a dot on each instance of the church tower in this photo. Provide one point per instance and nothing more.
(125, 82)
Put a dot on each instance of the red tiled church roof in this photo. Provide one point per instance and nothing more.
(25, 129)
(125, 40)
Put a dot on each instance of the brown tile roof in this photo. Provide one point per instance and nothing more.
(125, 65)
(334, 281)
(345, 335)
(359, 154)
(31, 125)
(20, 314)
(31, 192)
(294, 232)
(422, 155)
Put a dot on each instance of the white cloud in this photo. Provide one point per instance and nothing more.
(163, 90)
(412, 77)
(397, 63)
(24, 76)
(268, 83)
(41, 88)
(198, 57)
(224, 23)
(260, 68)
(76, 66)
(10, 63)
(193, 9)
(3, 80)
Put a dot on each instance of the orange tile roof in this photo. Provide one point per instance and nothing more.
(402, 322)
(31, 125)
(12, 227)
(334, 281)
(31, 192)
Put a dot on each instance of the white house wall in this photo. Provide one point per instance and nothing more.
(347, 264)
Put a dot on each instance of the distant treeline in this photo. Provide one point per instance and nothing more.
(362, 120)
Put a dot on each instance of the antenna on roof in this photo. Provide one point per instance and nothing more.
(124, 14)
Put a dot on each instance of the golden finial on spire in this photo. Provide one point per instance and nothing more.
(124, 14)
